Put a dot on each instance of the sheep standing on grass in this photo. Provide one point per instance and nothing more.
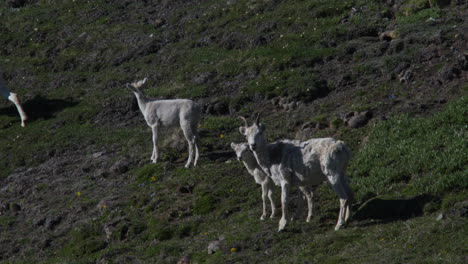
(244, 154)
(170, 113)
(14, 98)
(306, 165)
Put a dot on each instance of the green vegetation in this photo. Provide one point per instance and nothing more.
(427, 155)
(70, 60)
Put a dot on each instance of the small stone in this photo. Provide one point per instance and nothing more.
(184, 260)
(39, 221)
(213, 246)
(15, 207)
(98, 154)
(387, 35)
(440, 217)
(16, 3)
(52, 222)
(359, 119)
(120, 167)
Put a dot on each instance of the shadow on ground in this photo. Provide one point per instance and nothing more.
(380, 210)
(39, 108)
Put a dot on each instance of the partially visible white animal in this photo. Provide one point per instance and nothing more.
(245, 155)
(305, 164)
(170, 113)
(14, 98)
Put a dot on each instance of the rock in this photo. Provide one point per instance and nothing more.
(285, 103)
(204, 77)
(405, 76)
(45, 243)
(440, 217)
(217, 108)
(221, 108)
(15, 207)
(3, 208)
(359, 119)
(16, 3)
(184, 260)
(304, 134)
(39, 221)
(215, 246)
(106, 203)
(396, 46)
(388, 35)
(52, 222)
(158, 22)
(120, 167)
(185, 189)
(99, 154)
(463, 61)
(449, 73)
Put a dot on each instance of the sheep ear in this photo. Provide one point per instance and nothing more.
(233, 146)
(242, 130)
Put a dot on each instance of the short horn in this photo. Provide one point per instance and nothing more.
(257, 120)
(245, 120)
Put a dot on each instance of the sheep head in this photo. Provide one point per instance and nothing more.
(254, 134)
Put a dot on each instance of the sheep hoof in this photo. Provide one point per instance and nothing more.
(262, 217)
(282, 224)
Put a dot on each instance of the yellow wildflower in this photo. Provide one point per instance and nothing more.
(78, 194)
(233, 250)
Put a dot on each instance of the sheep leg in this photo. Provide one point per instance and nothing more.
(309, 196)
(264, 197)
(284, 205)
(348, 210)
(272, 204)
(190, 140)
(196, 139)
(14, 98)
(299, 205)
(154, 156)
(341, 216)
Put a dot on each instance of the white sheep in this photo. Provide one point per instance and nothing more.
(170, 113)
(306, 165)
(14, 98)
(245, 155)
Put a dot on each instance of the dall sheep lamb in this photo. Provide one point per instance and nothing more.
(245, 155)
(306, 165)
(14, 98)
(170, 113)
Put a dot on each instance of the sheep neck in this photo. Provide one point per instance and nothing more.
(142, 102)
(263, 158)
(249, 161)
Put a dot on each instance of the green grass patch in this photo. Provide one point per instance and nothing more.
(427, 155)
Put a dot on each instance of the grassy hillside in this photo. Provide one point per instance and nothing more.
(76, 185)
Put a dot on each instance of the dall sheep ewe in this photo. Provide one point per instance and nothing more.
(306, 165)
(170, 113)
(14, 98)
